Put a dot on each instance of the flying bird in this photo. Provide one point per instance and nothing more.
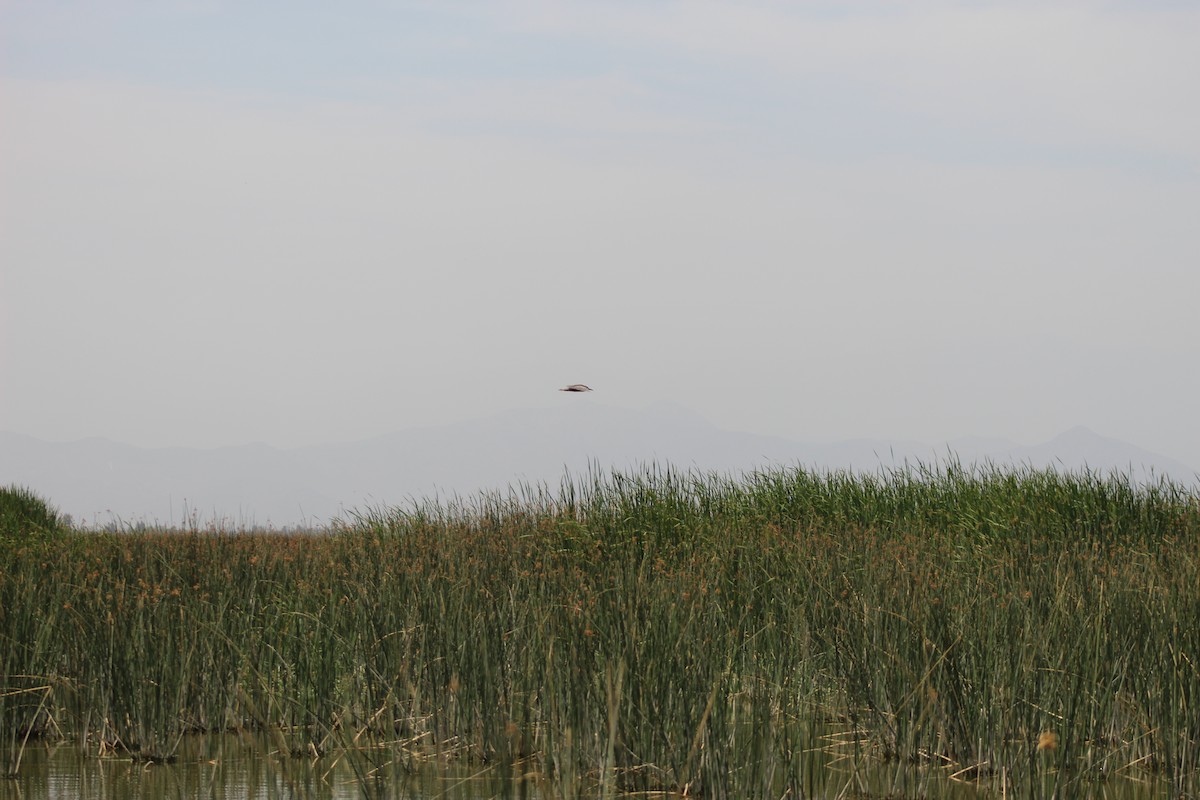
(576, 387)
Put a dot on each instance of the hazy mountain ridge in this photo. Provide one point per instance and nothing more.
(96, 480)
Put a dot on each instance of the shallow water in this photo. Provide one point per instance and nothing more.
(225, 767)
(232, 767)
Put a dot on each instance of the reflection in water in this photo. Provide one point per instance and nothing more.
(233, 767)
(242, 767)
(216, 767)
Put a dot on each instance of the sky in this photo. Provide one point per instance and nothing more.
(307, 222)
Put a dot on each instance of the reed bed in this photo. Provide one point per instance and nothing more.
(1032, 632)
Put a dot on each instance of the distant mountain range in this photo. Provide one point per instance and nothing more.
(99, 481)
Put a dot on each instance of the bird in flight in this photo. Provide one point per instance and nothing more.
(576, 387)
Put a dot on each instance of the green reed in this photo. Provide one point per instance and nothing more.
(648, 631)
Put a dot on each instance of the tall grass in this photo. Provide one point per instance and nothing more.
(648, 631)
(24, 515)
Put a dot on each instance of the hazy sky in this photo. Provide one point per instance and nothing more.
(298, 222)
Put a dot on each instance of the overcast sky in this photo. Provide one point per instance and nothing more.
(300, 222)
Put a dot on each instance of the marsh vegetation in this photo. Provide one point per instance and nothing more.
(779, 634)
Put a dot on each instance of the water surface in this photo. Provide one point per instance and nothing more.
(242, 767)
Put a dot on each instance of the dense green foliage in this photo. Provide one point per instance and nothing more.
(1029, 630)
(24, 516)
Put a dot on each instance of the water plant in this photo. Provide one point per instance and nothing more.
(649, 631)
(24, 515)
